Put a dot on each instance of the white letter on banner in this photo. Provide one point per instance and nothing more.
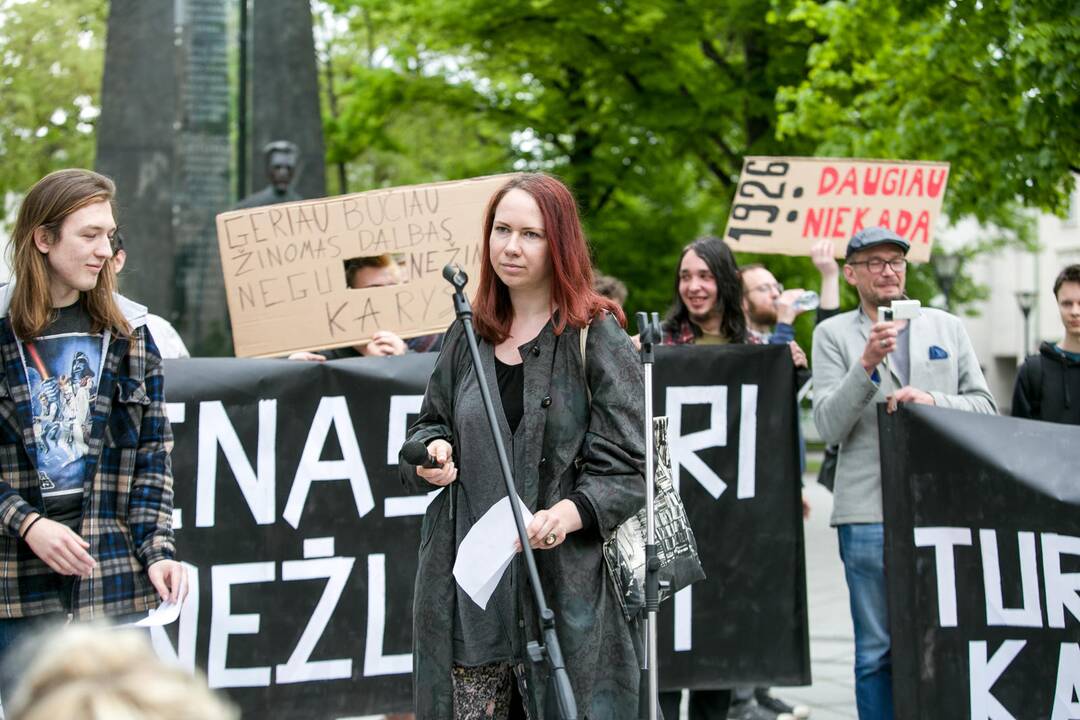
(187, 629)
(684, 447)
(1061, 588)
(407, 505)
(215, 429)
(332, 412)
(401, 406)
(298, 668)
(1068, 683)
(983, 675)
(375, 663)
(223, 624)
(943, 539)
(748, 442)
(684, 616)
(1030, 613)
(177, 413)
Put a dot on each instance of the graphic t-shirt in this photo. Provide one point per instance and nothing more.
(62, 368)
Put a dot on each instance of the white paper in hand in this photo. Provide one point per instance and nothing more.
(486, 551)
(164, 614)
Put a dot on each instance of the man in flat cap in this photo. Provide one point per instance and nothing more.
(861, 360)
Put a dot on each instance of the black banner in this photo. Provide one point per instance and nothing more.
(734, 458)
(982, 556)
(302, 544)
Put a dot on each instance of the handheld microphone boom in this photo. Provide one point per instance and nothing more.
(415, 453)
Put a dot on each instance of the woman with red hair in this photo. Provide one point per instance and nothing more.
(573, 429)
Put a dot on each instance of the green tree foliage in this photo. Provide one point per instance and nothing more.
(51, 57)
(990, 87)
(392, 116)
(645, 109)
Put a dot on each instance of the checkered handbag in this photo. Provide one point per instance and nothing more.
(624, 551)
(676, 548)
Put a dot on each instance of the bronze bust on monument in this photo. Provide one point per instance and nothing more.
(282, 157)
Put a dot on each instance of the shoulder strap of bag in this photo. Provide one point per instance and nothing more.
(584, 335)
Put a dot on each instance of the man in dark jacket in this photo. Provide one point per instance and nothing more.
(1048, 384)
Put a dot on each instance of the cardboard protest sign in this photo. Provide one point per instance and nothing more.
(783, 205)
(285, 265)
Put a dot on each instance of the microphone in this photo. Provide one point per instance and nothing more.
(415, 453)
(454, 275)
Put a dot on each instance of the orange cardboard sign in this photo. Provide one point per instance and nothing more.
(783, 205)
(285, 265)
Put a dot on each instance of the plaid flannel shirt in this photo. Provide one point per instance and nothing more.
(683, 335)
(128, 496)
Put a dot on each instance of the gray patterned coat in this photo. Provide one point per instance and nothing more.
(562, 444)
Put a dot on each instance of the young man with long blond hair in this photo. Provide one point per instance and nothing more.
(85, 479)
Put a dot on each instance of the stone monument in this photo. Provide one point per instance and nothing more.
(164, 135)
(285, 91)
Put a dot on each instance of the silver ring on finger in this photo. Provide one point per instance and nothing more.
(550, 539)
(883, 343)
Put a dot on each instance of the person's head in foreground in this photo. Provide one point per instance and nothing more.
(90, 672)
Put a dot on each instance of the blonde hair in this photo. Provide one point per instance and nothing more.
(52, 199)
(88, 672)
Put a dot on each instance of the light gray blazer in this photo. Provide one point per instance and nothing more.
(943, 364)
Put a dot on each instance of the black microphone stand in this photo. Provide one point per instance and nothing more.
(650, 335)
(549, 650)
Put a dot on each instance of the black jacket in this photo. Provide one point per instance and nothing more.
(582, 431)
(1048, 387)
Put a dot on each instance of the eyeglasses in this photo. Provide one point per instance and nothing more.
(766, 287)
(877, 265)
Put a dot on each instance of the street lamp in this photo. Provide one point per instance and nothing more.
(945, 267)
(1026, 300)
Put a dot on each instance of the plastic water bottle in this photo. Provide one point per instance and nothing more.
(809, 300)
